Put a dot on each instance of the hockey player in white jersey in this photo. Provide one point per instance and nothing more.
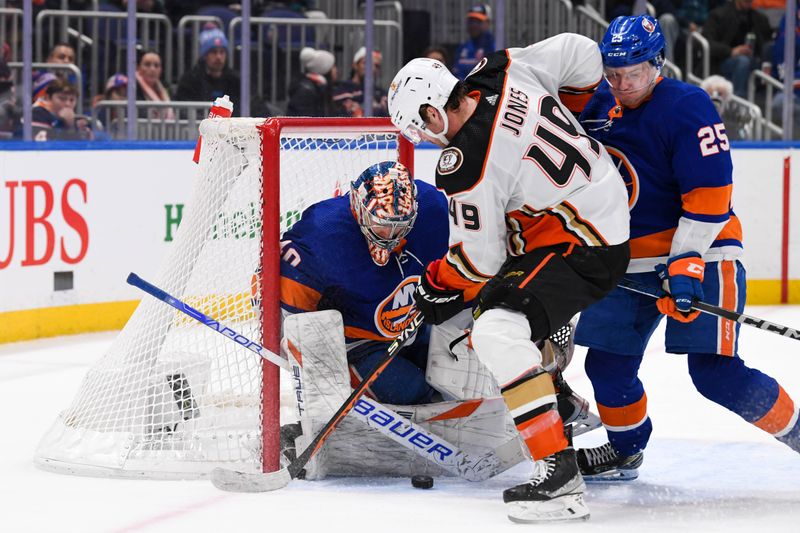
(538, 228)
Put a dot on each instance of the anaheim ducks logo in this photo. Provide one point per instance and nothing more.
(628, 173)
(395, 312)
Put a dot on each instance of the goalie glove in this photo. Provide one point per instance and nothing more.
(435, 303)
(683, 278)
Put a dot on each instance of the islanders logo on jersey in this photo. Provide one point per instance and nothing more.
(396, 311)
(628, 173)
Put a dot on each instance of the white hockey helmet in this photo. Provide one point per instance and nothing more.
(420, 81)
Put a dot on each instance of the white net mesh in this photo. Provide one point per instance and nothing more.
(172, 398)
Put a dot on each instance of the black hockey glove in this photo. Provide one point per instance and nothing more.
(436, 303)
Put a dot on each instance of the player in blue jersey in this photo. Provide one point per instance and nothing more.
(362, 254)
(671, 148)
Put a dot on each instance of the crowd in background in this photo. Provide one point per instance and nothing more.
(743, 35)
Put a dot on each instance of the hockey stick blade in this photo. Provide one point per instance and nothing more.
(721, 312)
(206, 320)
(235, 481)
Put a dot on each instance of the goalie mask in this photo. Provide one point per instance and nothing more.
(384, 203)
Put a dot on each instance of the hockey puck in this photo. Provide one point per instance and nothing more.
(422, 482)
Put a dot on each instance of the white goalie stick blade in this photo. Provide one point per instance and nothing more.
(235, 481)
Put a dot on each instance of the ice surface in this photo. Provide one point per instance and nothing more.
(705, 469)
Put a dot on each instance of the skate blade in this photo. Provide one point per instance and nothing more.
(612, 476)
(561, 509)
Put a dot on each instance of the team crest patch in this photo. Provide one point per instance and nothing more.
(450, 160)
(648, 25)
(480, 65)
(397, 310)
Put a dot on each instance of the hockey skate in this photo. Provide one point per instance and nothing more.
(573, 409)
(605, 464)
(555, 492)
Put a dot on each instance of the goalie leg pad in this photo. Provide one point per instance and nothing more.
(453, 367)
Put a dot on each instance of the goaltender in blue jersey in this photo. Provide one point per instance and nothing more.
(672, 151)
(362, 254)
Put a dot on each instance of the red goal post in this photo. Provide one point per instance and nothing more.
(272, 131)
(171, 399)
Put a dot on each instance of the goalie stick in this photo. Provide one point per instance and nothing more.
(710, 309)
(440, 452)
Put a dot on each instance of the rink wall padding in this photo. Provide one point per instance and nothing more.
(76, 218)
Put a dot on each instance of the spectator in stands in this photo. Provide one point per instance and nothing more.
(348, 95)
(310, 94)
(54, 115)
(779, 71)
(41, 80)
(480, 42)
(149, 86)
(116, 89)
(10, 111)
(439, 53)
(739, 123)
(737, 35)
(63, 54)
(211, 77)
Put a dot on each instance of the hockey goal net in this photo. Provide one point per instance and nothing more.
(172, 398)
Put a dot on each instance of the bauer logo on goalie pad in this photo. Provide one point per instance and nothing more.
(394, 313)
(388, 423)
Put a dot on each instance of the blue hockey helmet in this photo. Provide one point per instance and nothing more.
(384, 202)
(633, 40)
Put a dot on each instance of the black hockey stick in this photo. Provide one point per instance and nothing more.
(710, 309)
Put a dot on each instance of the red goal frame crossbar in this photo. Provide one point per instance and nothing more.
(271, 131)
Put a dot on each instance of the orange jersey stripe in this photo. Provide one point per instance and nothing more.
(544, 230)
(660, 243)
(353, 332)
(448, 277)
(779, 416)
(462, 410)
(708, 200)
(543, 434)
(298, 295)
(575, 102)
(732, 230)
(628, 415)
(727, 339)
(653, 245)
(536, 270)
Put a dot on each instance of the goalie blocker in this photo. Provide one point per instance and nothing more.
(471, 414)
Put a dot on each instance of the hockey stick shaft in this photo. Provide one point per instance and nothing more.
(710, 309)
(300, 462)
(206, 320)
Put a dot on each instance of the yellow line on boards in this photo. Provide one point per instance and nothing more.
(65, 320)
